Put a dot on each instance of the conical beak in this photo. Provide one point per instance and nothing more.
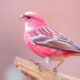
(21, 16)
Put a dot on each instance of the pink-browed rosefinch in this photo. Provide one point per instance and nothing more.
(45, 41)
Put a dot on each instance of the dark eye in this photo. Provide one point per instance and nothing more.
(28, 17)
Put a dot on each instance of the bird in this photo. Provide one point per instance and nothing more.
(45, 41)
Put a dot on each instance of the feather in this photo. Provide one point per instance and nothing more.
(49, 38)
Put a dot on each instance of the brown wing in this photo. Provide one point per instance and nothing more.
(61, 42)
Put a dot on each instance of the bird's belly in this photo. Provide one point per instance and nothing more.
(42, 51)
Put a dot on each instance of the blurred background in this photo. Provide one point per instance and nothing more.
(63, 15)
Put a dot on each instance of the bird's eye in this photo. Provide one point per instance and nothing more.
(28, 17)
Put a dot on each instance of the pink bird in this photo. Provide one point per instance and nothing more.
(45, 41)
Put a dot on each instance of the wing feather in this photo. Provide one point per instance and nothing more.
(49, 38)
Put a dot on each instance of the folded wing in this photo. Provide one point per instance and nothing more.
(49, 38)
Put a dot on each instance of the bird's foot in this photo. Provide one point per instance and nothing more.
(55, 70)
(39, 66)
(37, 63)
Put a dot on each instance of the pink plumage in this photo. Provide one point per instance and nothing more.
(45, 41)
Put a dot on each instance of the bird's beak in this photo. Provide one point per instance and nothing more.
(21, 16)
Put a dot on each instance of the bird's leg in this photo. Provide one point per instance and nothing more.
(47, 60)
(55, 69)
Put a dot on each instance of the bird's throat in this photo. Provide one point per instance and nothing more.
(28, 28)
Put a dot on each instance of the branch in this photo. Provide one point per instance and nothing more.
(33, 71)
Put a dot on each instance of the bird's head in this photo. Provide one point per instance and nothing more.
(32, 20)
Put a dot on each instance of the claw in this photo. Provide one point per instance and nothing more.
(36, 63)
(39, 66)
(55, 70)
